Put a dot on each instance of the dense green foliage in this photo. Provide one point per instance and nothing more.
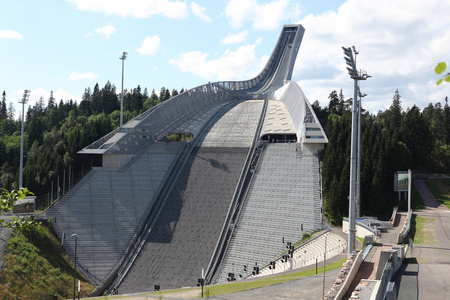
(440, 68)
(7, 203)
(393, 140)
(36, 267)
(55, 132)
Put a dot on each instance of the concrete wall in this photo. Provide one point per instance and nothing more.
(361, 230)
(350, 276)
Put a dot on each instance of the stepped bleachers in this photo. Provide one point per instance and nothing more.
(283, 198)
(309, 254)
(185, 234)
(106, 208)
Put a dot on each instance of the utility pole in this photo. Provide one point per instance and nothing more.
(123, 58)
(23, 101)
(358, 159)
(356, 75)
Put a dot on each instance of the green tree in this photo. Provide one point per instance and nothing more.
(51, 104)
(335, 105)
(7, 203)
(417, 137)
(11, 111)
(446, 121)
(164, 94)
(393, 116)
(3, 107)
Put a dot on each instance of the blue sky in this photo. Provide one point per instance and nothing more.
(66, 46)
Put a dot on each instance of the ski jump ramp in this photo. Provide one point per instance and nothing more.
(158, 211)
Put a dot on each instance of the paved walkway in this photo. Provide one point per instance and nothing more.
(433, 254)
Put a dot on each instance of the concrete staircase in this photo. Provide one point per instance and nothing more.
(283, 203)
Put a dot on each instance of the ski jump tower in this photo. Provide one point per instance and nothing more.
(156, 211)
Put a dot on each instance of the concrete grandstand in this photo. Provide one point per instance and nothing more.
(157, 211)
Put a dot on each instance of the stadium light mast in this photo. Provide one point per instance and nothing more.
(356, 75)
(23, 101)
(123, 58)
(358, 159)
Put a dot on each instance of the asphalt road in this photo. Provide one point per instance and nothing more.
(299, 289)
(433, 255)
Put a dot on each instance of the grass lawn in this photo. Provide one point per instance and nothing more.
(36, 267)
(421, 230)
(440, 189)
(243, 286)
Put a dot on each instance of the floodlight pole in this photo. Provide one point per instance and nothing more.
(75, 269)
(123, 57)
(23, 101)
(358, 159)
(356, 76)
(352, 211)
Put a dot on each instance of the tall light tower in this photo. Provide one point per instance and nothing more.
(23, 101)
(358, 159)
(356, 75)
(123, 57)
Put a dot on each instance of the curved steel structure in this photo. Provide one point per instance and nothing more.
(279, 67)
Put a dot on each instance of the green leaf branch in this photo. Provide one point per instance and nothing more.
(440, 68)
(7, 202)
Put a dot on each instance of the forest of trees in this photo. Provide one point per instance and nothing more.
(55, 132)
(393, 140)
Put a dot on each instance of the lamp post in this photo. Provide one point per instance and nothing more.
(123, 57)
(356, 75)
(75, 269)
(23, 101)
(358, 166)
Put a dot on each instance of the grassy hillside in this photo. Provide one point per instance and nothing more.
(440, 189)
(36, 267)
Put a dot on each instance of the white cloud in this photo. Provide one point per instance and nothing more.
(81, 76)
(10, 34)
(235, 38)
(135, 8)
(400, 42)
(199, 11)
(232, 65)
(105, 31)
(150, 45)
(263, 16)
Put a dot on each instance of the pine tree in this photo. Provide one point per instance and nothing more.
(334, 105)
(11, 111)
(51, 101)
(3, 107)
(417, 137)
(446, 119)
